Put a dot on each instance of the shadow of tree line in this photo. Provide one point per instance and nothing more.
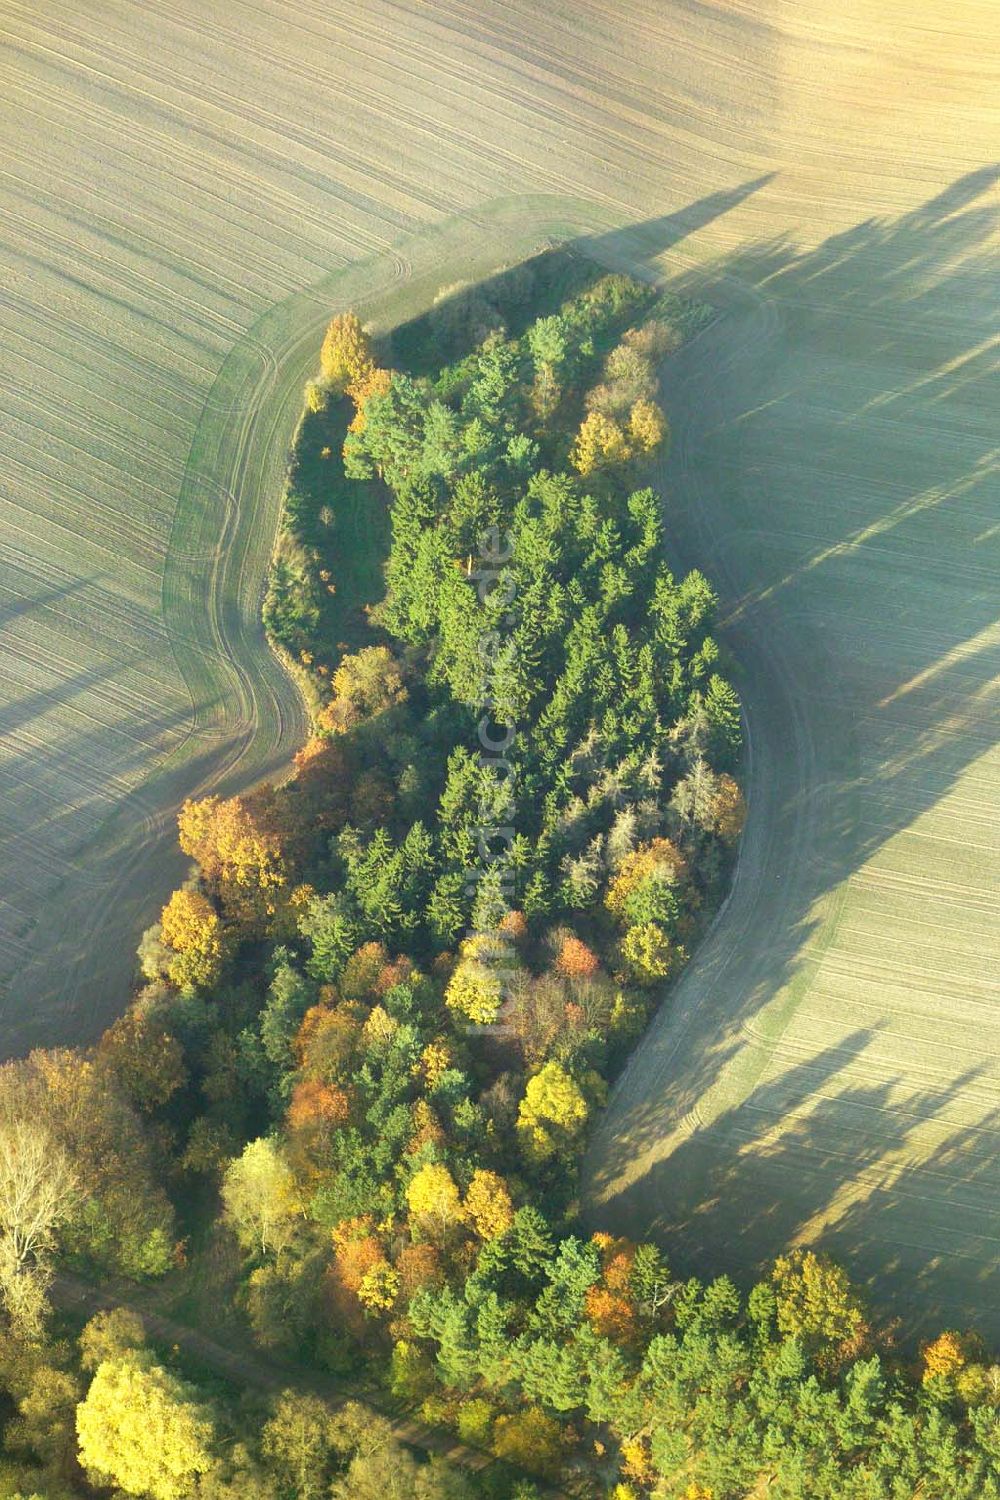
(863, 618)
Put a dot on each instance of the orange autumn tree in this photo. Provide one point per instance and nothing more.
(576, 960)
(419, 1266)
(317, 1106)
(360, 978)
(357, 1255)
(323, 776)
(374, 381)
(328, 1040)
(611, 1315)
(610, 1303)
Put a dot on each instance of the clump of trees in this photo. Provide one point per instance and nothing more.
(377, 1020)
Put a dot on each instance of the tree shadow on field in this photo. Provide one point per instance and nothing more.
(835, 475)
(18, 605)
(722, 1199)
(73, 753)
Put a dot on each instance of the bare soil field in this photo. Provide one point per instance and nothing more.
(175, 175)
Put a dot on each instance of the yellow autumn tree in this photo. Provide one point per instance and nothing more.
(260, 1198)
(191, 926)
(475, 990)
(427, 1128)
(636, 1463)
(647, 427)
(815, 1302)
(379, 1288)
(945, 1356)
(648, 954)
(552, 1113)
(346, 351)
(600, 443)
(488, 1205)
(436, 1058)
(366, 684)
(316, 395)
(141, 1428)
(379, 1029)
(433, 1199)
(238, 846)
(487, 961)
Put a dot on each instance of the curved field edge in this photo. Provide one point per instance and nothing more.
(229, 509)
(247, 717)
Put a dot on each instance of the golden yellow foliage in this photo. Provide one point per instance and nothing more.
(474, 990)
(379, 1029)
(636, 1461)
(600, 443)
(648, 954)
(346, 351)
(140, 1428)
(427, 1128)
(433, 1198)
(530, 1439)
(260, 1197)
(366, 684)
(316, 395)
(191, 926)
(815, 1299)
(945, 1356)
(476, 984)
(552, 1112)
(488, 1206)
(435, 1059)
(233, 843)
(379, 1288)
(647, 426)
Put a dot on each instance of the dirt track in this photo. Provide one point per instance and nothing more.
(832, 1063)
(242, 1364)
